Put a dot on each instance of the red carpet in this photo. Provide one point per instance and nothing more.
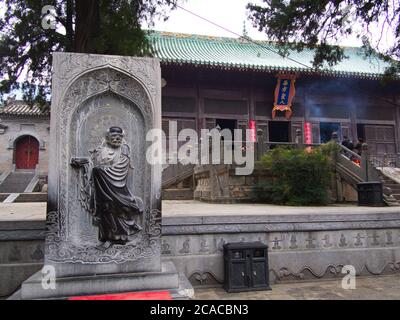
(156, 295)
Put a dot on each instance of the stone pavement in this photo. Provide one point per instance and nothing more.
(369, 288)
(197, 208)
(180, 208)
(23, 211)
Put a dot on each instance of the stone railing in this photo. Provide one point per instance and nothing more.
(385, 160)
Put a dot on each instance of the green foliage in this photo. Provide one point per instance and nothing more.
(300, 176)
(302, 24)
(329, 148)
(87, 26)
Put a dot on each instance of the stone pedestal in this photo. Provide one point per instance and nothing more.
(167, 279)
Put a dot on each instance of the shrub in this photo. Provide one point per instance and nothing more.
(300, 176)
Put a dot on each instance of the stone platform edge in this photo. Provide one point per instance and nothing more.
(166, 280)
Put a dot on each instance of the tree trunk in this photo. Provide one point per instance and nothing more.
(86, 25)
(69, 26)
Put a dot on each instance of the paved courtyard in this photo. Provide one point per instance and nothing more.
(180, 208)
(370, 288)
(378, 287)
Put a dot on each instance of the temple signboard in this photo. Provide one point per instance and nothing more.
(284, 94)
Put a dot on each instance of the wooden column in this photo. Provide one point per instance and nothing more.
(252, 100)
(353, 123)
(201, 121)
(306, 106)
(396, 101)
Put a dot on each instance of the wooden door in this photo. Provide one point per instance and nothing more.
(315, 132)
(380, 139)
(26, 153)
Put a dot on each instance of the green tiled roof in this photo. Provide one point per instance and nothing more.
(20, 108)
(240, 54)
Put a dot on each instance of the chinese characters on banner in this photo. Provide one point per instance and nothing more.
(252, 127)
(307, 132)
(284, 94)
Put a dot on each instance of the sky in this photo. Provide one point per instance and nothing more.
(230, 14)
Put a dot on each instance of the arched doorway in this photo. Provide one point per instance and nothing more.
(26, 153)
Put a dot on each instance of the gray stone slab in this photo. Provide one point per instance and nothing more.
(22, 230)
(24, 234)
(166, 279)
(92, 96)
(66, 269)
(275, 227)
(22, 225)
(11, 198)
(312, 217)
(104, 194)
(12, 275)
(4, 176)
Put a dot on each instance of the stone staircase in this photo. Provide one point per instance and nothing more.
(16, 182)
(391, 186)
(177, 194)
(369, 171)
(177, 182)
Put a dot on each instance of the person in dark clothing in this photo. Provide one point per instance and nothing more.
(358, 147)
(347, 143)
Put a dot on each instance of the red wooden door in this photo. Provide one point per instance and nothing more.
(26, 153)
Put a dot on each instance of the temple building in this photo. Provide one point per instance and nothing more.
(235, 83)
(232, 83)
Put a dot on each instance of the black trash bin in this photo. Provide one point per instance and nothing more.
(246, 266)
(370, 194)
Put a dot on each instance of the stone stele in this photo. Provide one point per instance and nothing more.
(104, 198)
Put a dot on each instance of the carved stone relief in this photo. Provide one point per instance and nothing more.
(91, 95)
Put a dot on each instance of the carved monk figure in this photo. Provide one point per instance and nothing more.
(104, 190)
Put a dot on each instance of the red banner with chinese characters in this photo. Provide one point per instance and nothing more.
(308, 132)
(284, 94)
(252, 127)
